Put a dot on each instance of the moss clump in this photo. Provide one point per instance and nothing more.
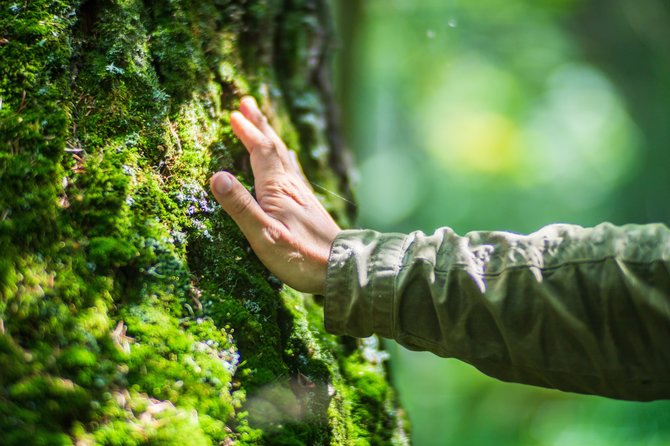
(132, 310)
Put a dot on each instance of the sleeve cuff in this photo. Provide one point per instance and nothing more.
(360, 283)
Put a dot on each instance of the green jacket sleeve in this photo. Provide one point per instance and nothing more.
(578, 309)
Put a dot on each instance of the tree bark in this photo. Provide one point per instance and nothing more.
(132, 310)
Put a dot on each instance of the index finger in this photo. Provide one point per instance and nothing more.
(265, 160)
(250, 110)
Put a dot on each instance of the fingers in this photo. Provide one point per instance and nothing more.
(265, 160)
(250, 110)
(240, 205)
(269, 156)
(248, 133)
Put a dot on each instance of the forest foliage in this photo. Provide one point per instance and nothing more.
(509, 115)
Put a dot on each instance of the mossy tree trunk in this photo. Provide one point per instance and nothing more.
(132, 310)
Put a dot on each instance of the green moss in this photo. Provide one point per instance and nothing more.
(132, 310)
(107, 252)
(33, 121)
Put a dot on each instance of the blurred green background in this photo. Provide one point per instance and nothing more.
(507, 115)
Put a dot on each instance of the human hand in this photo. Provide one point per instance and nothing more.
(286, 225)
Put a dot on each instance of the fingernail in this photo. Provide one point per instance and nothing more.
(222, 183)
(250, 99)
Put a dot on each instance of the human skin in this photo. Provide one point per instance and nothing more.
(286, 225)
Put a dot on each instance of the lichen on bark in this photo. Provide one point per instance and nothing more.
(132, 311)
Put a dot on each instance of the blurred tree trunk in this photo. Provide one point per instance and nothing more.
(349, 19)
(132, 310)
(630, 42)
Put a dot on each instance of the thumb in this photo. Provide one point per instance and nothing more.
(239, 204)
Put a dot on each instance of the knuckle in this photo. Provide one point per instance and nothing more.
(265, 145)
(275, 185)
(285, 189)
(282, 184)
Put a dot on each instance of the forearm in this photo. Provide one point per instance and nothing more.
(585, 310)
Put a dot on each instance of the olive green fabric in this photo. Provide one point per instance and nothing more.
(579, 309)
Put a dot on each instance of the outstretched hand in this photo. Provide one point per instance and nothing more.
(286, 225)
